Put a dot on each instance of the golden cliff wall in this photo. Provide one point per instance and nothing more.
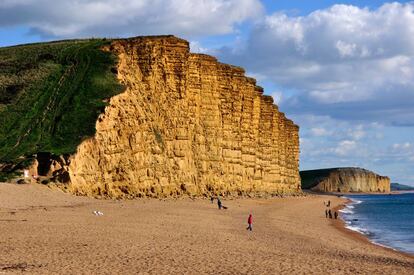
(186, 124)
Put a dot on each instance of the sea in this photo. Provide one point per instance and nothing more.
(387, 220)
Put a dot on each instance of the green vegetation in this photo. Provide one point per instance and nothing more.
(311, 178)
(401, 187)
(6, 176)
(51, 95)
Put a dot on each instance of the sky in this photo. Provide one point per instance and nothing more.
(343, 71)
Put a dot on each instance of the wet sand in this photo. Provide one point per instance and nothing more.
(46, 231)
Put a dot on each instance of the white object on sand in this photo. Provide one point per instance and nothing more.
(98, 213)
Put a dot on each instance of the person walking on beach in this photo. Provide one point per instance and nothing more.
(336, 215)
(219, 203)
(329, 203)
(330, 213)
(212, 199)
(326, 213)
(249, 222)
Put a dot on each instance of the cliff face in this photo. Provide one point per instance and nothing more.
(186, 124)
(344, 180)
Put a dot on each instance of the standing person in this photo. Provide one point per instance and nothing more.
(329, 203)
(326, 213)
(219, 203)
(212, 199)
(336, 215)
(330, 213)
(249, 222)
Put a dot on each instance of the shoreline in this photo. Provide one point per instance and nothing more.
(340, 224)
(343, 194)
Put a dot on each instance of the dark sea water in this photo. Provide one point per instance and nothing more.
(386, 220)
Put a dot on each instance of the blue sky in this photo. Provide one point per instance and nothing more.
(342, 70)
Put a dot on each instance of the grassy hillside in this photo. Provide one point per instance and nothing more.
(401, 187)
(51, 95)
(310, 178)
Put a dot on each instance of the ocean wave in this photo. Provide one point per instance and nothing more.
(375, 239)
(355, 201)
(357, 229)
(384, 220)
(383, 245)
(346, 211)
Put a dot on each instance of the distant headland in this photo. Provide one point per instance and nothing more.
(344, 180)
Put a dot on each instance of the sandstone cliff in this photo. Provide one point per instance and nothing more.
(186, 124)
(344, 180)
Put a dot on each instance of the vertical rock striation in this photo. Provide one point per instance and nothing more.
(344, 180)
(186, 124)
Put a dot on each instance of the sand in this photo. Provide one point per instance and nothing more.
(45, 231)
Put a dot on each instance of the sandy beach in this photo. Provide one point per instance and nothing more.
(45, 231)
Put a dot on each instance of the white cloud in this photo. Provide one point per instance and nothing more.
(128, 17)
(277, 96)
(319, 132)
(344, 61)
(405, 145)
(357, 133)
(346, 49)
(327, 142)
(345, 147)
(402, 151)
(196, 47)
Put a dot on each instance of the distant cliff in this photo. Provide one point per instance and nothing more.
(344, 180)
(401, 187)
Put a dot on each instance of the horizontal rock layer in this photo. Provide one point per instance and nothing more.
(186, 124)
(345, 180)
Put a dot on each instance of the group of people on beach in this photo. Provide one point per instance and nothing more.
(220, 206)
(328, 211)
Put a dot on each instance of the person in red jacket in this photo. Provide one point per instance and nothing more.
(250, 221)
